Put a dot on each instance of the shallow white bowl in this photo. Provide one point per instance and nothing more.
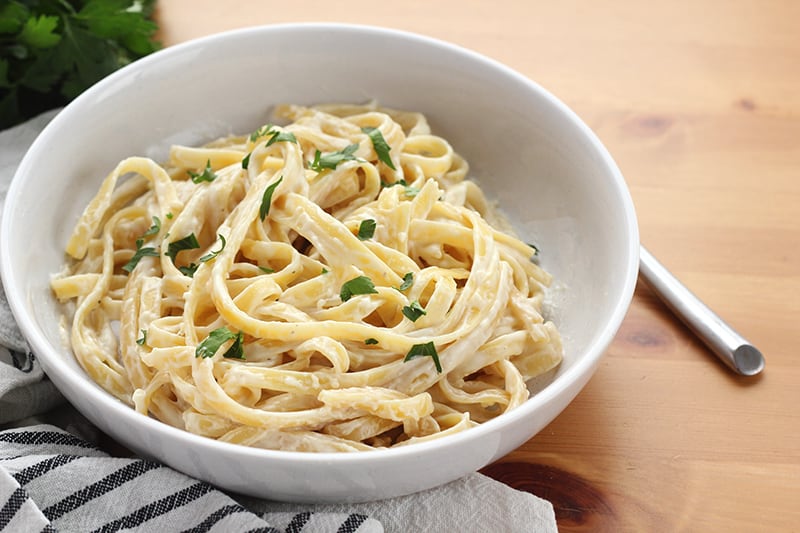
(550, 174)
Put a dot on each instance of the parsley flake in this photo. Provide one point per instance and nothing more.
(266, 270)
(189, 270)
(380, 145)
(358, 285)
(214, 253)
(332, 160)
(246, 161)
(371, 340)
(424, 350)
(141, 341)
(366, 229)
(261, 132)
(206, 175)
(211, 345)
(154, 229)
(277, 136)
(137, 256)
(408, 280)
(414, 311)
(187, 243)
(266, 200)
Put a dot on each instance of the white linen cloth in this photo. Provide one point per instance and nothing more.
(56, 476)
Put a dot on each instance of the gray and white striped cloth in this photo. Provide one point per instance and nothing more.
(59, 473)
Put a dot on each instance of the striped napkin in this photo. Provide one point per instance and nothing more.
(60, 473)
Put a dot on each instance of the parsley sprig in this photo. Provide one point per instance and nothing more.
(358, 285)
(51, 51)
(206, 175)
(332, 160)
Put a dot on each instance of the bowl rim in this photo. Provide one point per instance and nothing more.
(581, 371)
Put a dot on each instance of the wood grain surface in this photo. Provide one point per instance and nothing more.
(699, 103)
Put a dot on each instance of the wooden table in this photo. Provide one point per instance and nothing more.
(699, 103)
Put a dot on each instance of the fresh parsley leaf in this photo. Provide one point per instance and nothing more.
(141, 341)
(266, 200)
(277, 136)
(371, 340)
(380, 145)
(189, 270)
(324, 271)
(414, 311)
(260, 132)
(211, 345)
(206, 175)
(408, 190)
(366, 229)
(40, 32)
(266, 270)
(187, 243)
(424, 350)
(332, 160)
(535, 249)
(408, 281)
(246, 161)
(154, 229)
(170, 215)
(214, 253)
(358, 285)
(138, 254)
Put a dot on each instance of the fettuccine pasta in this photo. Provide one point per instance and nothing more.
(334, 284)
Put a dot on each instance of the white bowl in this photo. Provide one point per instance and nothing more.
(550, 174)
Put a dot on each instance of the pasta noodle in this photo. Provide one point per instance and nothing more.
(334, 284)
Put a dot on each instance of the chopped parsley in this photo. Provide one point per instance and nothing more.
(246, 161)
(366, 229)
(187, 243)
(535, 249)
(408, 190)
(266, 270)
(408, 281)
(154, 229)
(414, 311)
(371, 340)
(189, 270)
(380, 145)
(260, 132)
(148, 251)
(359, 285)
(214, 253)
(170, 215)
(324, 271)
(266, 200)
(332, 160)
(277, 136)
(206, 175)
(141, 341)
(215, 340)
(424, 350)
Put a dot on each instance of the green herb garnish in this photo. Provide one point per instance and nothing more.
(332, 160)
(260, 132)
(189, 270)
(266, 270)
(424, 350)
(206, 175)
(154, 229)
(380, 145)
(215, 340)
(359, 285)
(187, 243)
(366, 229)
(371, 340)
(141, 341)
(414, 311)
(51, 51)
(266, 200)
(535, 249)
(137, 256)
(169, 216)
(277, 136)
(408, 280)
(246, 161)
(214, 253)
